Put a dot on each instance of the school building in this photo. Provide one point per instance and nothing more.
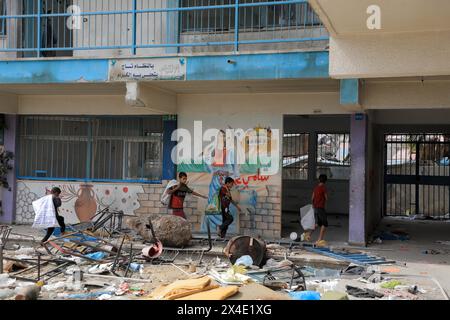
(91, 92)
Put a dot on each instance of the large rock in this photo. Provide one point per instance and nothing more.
(171, 230)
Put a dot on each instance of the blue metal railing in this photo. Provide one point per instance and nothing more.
(63, 27)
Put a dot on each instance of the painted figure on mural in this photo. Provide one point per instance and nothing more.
(221, 167)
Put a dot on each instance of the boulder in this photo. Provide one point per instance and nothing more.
(172, 231)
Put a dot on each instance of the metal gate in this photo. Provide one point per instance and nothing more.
(416, 174)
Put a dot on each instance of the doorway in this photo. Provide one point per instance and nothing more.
(314, 145)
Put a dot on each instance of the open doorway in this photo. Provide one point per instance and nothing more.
(54, 36)
(314, 145)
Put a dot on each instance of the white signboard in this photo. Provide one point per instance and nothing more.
(147, 69)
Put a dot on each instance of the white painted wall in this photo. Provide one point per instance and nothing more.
(406, 94)
(390, 55)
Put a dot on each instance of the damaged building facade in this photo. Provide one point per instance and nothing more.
(91, 93)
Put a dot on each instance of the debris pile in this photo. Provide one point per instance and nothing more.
(115, 257)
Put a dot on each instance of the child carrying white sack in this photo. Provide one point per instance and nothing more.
(46, 210)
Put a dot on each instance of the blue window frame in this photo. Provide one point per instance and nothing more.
(90, 148)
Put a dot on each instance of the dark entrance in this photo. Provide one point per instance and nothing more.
(416, 174)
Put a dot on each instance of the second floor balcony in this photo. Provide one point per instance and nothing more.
(126, 28)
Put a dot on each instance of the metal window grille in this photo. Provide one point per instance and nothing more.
(417, 174)
(252, 18)
(333, 155)
(3, 21)
(91, 148)
(295, 156)
(48, 28)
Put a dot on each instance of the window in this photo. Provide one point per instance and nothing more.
(295, 156)
(94, 148)
(250, 18)
(333, 155)
(3, 20)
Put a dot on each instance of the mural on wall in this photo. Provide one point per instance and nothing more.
(250, 183)
(80, 201)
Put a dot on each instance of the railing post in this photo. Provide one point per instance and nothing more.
(38, 45)
(134, 27)
(236, 26)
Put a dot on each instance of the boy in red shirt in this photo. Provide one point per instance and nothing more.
(319, 199)
(178, 193)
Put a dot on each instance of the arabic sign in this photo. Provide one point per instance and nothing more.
(147, 69)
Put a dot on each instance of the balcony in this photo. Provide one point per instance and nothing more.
(126, 28)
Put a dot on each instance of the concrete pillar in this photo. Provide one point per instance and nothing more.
(357, 194)
(9, 195)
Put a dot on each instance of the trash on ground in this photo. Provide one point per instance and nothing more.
(363, 293)
(305, 295)
(391, 284)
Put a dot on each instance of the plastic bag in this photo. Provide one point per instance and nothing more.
(307, 221)
(245, 261)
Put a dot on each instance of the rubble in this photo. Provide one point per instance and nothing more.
(134, 264)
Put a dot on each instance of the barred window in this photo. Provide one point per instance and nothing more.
(333, 155)
(250, 18)
(3, 20)
(295, 156)
(93, 148)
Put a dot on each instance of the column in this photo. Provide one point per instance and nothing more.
(357, 201)
(9, 195)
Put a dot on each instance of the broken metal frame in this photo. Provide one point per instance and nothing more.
(5, 232)
(295, 273)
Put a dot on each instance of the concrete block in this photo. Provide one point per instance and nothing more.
(263, 212)
(153, 210)
(149, 189)
(147, 203)
(259, 205)
(267, 206)
(154, 197)
(261, 225)
(142, 196)
(267, 219)
(261, 199)
(276, 206)
(277, 219)
(273, 200)
(258, 218)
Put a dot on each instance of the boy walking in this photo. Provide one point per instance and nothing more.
(55, 192)
(225, 200)
(319, 199)
(178, 193)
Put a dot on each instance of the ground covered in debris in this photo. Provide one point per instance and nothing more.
(121, 265)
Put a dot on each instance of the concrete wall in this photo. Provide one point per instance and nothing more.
(313, 32)
(390, 55)
(77, 104)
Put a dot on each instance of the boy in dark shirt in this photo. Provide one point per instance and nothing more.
(57, 203)
(225, 200)
(178, 193)
(319, 199)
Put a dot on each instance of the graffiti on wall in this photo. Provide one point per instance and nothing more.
(250, 183)
(80, 201)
